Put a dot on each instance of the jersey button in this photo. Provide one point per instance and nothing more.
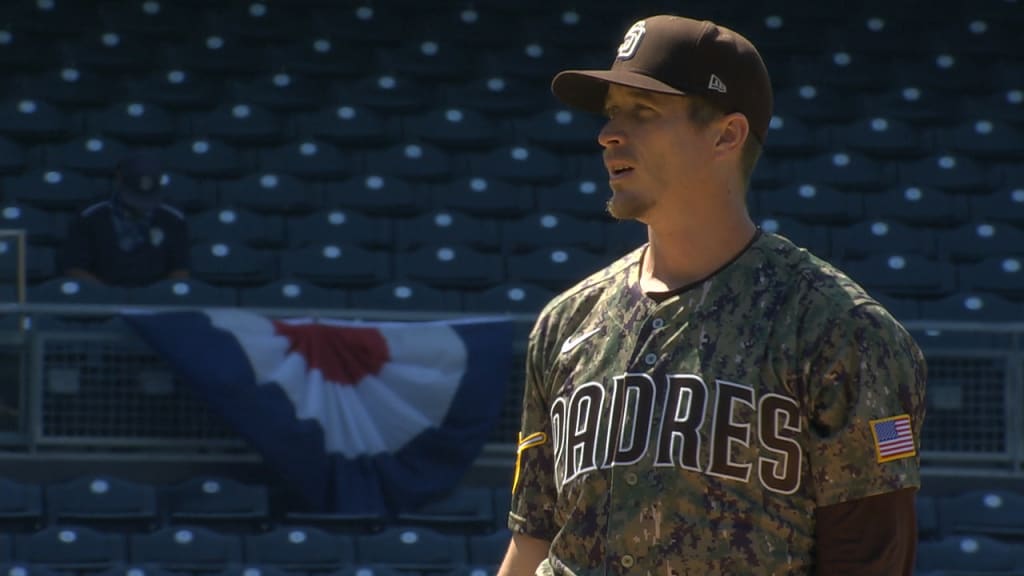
(631, 478)
(627, 561)
(658, 323)
(651, 358)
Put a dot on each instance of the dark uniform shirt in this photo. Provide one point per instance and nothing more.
(95, 244)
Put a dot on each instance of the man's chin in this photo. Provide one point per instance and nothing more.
(622, 207)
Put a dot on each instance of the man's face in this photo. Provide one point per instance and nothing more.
(654, 153)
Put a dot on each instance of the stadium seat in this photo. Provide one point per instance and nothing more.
(133, 569)
(434, 57)
(202, 157)
(52, 19)
(843, 170)
(475, 27)
(977, 240)
(238, 123)
(339, 225)
(1005, 204)
(336, 264)
(554, 268)
(376, 194)
(71, 548)
(348, 125)
(387, 93)
(231, 224)
(927, 516)
(190, 194)
(495, 94)
(972, 307)
(792, 137)
(186, 548)
(551, 229)
(54, 189)
(89, 155)
(222, 262)
(1001, 275)
(867, 237)
(483, 196)
(300, 548)
(269, 192)
(561, 130)
(450, 266)
(32, 120)
(319, 56)
(102, 501)
(412, 161)
(841, 69)
(581, 197)
(39, 262)
(39, 225)
(1004, 105)
(453, 128)
(26, 569)
(530, 61)
(214, 52)
(519, 165)
(983, 139)
(488, 549)
(280, 91)
(447, 227)
(254, 569)
(412, 548)
(466, 510)
(977, 553)
(815, 104)
(810, 202)
(943, 71)
(21, 507)
(217, 501)
(13, 157)
(61, 290)
(879, 137)
(910, 103)
(192, 292)
(24, 53)
(995, 513)
(508, 297)
(291, 293)
(109, 51)
(406, 296)
(308, 159)
(135, 122)
(948, 172)
(177, 89)
(68, 86)
(917, 205)
(903, 275)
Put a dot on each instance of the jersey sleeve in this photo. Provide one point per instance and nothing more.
(865, 381)
(533, 491)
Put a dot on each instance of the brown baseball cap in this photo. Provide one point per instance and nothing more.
(677, 55)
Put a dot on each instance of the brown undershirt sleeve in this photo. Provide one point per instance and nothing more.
(874, 536)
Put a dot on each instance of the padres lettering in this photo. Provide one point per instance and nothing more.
(576, 423)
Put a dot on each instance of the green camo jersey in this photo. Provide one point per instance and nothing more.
(696, 434)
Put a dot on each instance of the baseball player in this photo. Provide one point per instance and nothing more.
(718, 401)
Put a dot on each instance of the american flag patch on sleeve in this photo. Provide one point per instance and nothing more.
(894, 438)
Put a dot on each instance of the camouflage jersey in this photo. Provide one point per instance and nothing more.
(695, 435)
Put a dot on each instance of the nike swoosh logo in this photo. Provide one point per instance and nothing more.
(576, 340)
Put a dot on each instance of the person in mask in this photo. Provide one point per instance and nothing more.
(132, 239)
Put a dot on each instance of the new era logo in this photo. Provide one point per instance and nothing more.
(717, 85)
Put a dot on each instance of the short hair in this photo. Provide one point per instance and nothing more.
(703, 111)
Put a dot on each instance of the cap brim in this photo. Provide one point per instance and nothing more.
(586, 89)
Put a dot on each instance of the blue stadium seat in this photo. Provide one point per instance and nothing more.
(366, 25)
(253, 569)
(475, 27)
(192, 292)
(412, 548)
(450, 266)
(968, 553)
(291, 293)
(223, 262)
(336, 264)
(339, 225)
(1005, 204)
(237, 225)
(135, 122)
(917, 204)
(61, 290)
(483, 196)
(26, 569)
(238, 123)
(217, 501)
(903, 274)
(320, 56)
(433, 57)
(300, 548)
(134, 569)
(972, 307)
(551, 229)
(447, 227)
(910, 103)
(488, 549)
(281, 92)
(561, 131)
(978, 239)
(31, 119)
(554, 268)
(943, 71)
(376, 194)
(844, 170)
(161, 20)
(13, 158)
(177, 89)
(411, 161)
(203, 157)
(270, 192)
(406, 296)
(21, 507)
(186, 548)
(102, 501)
(814, 238)
(815, 104)
(190, 194)
(24, 53)
(868, 237)
(348, 125)
(54, 189)
(495, 94)
(68, 86)
(71, 548)
(947, 172)
(387, 93)
(258, 22)
(508, 297)
(90, 155)
(53, 20)
(39, 262)
(110, 51)
(1001, 275)
(983, 139)
(520, 165)
(809, 201)
(214, 52)
(927, 516)
(308, 158)
(466, 510)
(39, 225)
(1004, 105)
(996, 513)
(880, 137)
(792, 137)
(581, 197)
(531, 61)
(453, 128)
(842, 69)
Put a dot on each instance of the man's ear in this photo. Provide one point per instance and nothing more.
(734, 129)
